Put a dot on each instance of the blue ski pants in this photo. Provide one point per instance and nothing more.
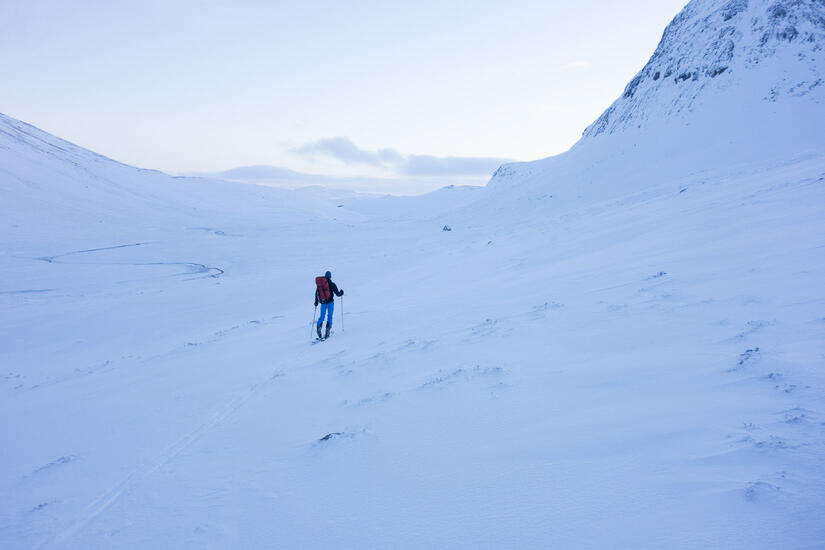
(326, 309)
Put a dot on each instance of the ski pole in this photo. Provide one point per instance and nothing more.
(312, 326)
(342, 314)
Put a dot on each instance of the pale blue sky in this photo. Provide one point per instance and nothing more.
(206, 85)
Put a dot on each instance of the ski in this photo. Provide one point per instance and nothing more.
(319, 340)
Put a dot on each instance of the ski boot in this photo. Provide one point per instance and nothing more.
(318, 330)
(327, 333)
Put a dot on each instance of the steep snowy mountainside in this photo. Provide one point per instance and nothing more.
(683, 115)
(771, 49)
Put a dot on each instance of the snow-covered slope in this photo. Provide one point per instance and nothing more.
(71, 184)
(683, 114)
(739, 49)
(619, 347)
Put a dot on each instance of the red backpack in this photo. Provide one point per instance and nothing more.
(324, 294)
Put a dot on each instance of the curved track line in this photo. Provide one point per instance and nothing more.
(51, 259)
(194, 268)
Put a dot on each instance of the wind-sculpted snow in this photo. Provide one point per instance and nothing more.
(625, 361)
(641, 366)
(618, 347)
(775, 46)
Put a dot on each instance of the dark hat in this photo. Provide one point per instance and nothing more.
(328, 275)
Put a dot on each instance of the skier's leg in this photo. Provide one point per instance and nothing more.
(329, 318)
(321, 320)
(324, 308)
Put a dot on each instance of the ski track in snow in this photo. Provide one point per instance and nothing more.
(51, 259)
(192, 268)
(111, 364)
(103, 502)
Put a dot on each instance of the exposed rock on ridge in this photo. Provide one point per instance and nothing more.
(712, 44)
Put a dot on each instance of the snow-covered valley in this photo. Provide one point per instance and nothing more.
(619, 347)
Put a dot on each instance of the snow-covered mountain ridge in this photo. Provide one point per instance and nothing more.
(683, 115)
(713, 45)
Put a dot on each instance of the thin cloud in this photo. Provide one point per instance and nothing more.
(581, 64)
(343, 149)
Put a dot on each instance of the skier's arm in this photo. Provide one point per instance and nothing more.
(316, 297)
(333, 287)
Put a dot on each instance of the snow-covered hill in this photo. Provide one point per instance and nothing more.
(618, 347)
(683, 114)
(73, 185)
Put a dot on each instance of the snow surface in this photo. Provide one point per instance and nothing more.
(619, 347)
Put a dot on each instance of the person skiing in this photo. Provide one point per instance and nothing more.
(325, 292)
